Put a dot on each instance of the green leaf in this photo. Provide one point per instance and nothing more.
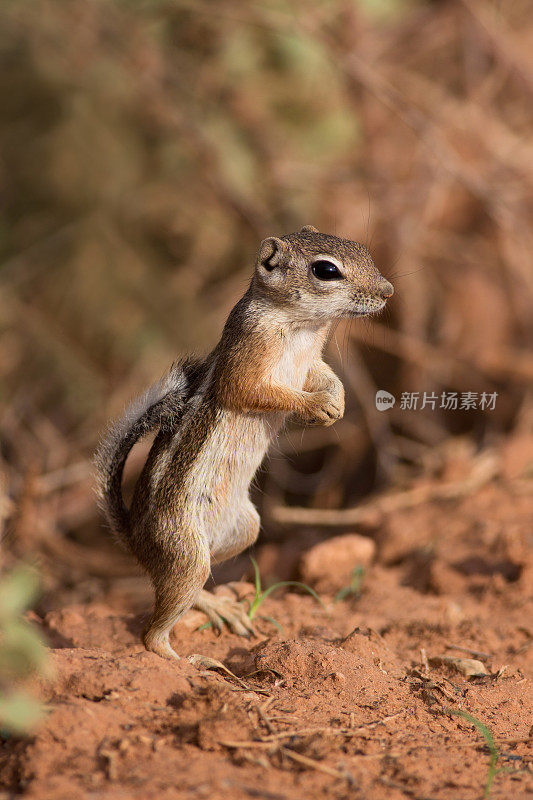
(300, 585)
(487, 735)
(354, 587)
(257, 576)
(17, 590)
(22, 648)
(19, 712)
(260, 596)
(273, 621)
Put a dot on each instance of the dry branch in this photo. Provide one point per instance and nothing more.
(485, 469)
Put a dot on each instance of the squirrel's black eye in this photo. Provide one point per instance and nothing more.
(325, 271)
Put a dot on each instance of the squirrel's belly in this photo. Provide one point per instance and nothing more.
(223, 469)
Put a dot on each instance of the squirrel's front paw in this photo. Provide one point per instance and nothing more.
(324, 408)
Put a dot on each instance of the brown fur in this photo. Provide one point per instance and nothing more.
(191, 506)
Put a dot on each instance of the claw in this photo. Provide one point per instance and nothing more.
(225, 610)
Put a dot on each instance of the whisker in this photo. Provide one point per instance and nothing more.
(367, 218)
(395, 275)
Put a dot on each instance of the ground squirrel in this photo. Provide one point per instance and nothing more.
(216, 417)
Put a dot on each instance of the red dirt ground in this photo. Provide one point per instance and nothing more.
(353, 704)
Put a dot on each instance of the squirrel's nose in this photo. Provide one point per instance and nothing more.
(386, 290)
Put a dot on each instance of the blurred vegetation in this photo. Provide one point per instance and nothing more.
(22, 652)
(148, 146)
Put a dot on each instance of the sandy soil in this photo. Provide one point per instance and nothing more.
(351, 703)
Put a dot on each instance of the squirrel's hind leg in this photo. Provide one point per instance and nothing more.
(240, 535)
(177, 583)
(218, 609)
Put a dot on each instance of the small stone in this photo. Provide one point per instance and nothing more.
(453, 613)
(469, 667)
(328, 566)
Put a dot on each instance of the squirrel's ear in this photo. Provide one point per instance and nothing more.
(271, 252)
(309, 229)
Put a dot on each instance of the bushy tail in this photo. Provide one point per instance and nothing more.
(161, 406)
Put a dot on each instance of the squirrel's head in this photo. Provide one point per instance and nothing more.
(320, 276)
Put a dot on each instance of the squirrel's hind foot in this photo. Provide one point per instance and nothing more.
(224, 609)
(158, 643)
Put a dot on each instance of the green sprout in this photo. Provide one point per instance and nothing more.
(487, 735)
(354, 587)
(261, 595)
